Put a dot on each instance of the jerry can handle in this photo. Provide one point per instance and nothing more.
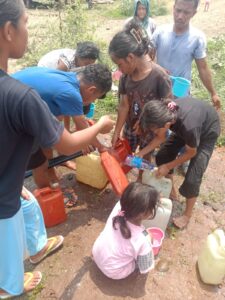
(119, 143)
(45, 191)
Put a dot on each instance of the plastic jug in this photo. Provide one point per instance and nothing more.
(180, 86)
(52, 205)
(162, 216)
(211, 261)
(120, 152)
(162, 185)
(90, 171)
(91, 112)
(114, 172)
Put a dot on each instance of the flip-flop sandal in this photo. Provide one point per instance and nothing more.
(55, 243)
(70, 198)
(6, 296)
(30, 276)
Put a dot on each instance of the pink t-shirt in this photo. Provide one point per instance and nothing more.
(118, 257)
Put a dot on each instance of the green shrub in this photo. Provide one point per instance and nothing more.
(66, 25)
(216, 61)
(127, 8)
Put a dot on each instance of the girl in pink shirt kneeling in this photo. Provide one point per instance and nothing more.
(124, 245)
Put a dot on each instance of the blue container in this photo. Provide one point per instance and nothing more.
(91, 111)
(180, 86)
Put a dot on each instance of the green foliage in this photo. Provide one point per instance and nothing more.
(106, 106)
(221, 141)
(66, 25)
(125, 8)
(216, 61)
(158, 8)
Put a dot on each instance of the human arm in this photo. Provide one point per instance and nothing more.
(145, 257)
(81, 123)
(72, 142)
(121, 118)
(206, 78)
(164, 169)
(157, 141)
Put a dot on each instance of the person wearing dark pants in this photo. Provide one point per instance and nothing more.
(195, 125)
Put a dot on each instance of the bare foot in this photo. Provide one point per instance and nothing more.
(70, 165)
(173, 194)
(181, 222)
(31, 280)
(52, 175)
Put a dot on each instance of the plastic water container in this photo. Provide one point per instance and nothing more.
(138, 162)
(163, 185)
(120, 152)
(91, 112)
(114, 172)
(90, 171)
(162, 216)
(180, 86)
(211, 261)
(52, 205)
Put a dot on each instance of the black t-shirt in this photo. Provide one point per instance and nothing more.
(23, 118)
(197, 121)
(156, 85)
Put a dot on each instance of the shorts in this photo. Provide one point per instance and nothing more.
(135, 140)
(36, 160)
(198, 164)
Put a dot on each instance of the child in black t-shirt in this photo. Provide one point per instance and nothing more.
(142, 81)
(195, 125)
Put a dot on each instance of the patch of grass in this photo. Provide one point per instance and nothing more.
(125, 8)
(216, 61)
(106, 106)
(221, 141)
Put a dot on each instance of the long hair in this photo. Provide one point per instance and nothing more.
(133, 39)
(157, 113)
(136, 199)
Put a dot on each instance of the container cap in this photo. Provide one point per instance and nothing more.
(114, 172)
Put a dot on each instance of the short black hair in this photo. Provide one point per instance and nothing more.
(11, 10)
(98, 75)
(195, 2)
(87, 50)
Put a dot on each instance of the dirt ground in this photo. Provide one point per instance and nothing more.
(71, 274)
(212, 23)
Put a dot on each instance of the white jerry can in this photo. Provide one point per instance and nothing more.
(162, 216)
(211, 261)
(162, 185)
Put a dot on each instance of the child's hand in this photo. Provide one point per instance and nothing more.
(115, 138)
(25, 194)
(106, 124)
(137, 128)
(162, 170)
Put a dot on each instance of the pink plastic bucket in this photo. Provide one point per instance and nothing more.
(157, 237)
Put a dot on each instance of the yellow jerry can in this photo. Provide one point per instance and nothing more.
(211, 261)
(90, 171)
